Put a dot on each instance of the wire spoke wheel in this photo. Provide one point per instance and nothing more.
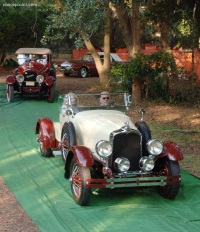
(78, 178)
(10, 93)
(170, 168)
(68, 139)
(65, 146)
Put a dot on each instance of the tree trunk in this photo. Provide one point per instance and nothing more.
(136, 30)
(137, 91)
(130, 27)
(102, 68)
(164, 29)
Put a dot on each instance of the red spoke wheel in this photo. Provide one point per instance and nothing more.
(52, 93)
(78, 178)
(170, 168)
(10, 93)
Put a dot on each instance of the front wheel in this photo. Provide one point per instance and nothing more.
(83, 72)
(171, 168)
(10, 93)
(51, 93)
(78, 177)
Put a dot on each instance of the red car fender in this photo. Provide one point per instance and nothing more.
(10, 80)
(48, 132)
(49, 81)
(172, 151)
(83, 156)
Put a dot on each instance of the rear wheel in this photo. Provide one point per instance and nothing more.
(45, 152)
(78, 177)
(83, 72)
(10, 93)
(68, 139)
(171, 168)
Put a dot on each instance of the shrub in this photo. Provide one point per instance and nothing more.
(151, 70)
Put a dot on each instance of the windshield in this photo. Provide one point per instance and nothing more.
(87, 57)
(84, 102)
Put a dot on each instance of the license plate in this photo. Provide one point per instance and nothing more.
(30, 83)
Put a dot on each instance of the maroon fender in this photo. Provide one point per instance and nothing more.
(49, 81)
(48, 132)
(10, 80)
(83, 156)
(172, 151)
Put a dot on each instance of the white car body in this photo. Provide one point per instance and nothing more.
(102, 147)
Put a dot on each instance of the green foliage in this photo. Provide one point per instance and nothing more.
(79, 20)
(150, 69)
(21, 25)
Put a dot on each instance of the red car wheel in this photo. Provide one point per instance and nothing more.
(51, 94)
(68, 139)
(171, 168)
(78, 178)
(10, 93)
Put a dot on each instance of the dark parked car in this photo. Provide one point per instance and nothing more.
(85, 65)
(102, 147)
(34, 76)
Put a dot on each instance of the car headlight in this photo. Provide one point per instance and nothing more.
(39, 79)
(146, 163)
(20, 78)
(103, 148)
(155, 147)
(122, 164)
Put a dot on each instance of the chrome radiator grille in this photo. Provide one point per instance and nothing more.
(30, 76)
(128, 146)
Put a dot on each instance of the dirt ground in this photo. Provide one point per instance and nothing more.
(185, 121)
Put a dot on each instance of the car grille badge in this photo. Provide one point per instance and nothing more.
(126, 127)
(30, 65)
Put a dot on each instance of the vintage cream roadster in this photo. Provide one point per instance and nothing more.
(102, 147)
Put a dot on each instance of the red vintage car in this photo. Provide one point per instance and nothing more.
(34, 76)
(85, 66)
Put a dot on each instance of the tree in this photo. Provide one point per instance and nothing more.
(81, 20)
(128, 15)
(20, 26)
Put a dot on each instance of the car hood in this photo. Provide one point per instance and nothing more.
(96, 125)
(33, 66)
